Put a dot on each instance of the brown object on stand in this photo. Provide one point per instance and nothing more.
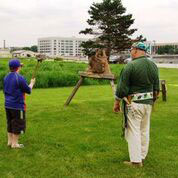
(98, 69)
(98, 63)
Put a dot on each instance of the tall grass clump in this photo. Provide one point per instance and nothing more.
(54, 73)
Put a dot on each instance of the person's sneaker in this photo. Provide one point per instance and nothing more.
(128, 163)
(17, 146)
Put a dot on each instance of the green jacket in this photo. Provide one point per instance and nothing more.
(138, 76)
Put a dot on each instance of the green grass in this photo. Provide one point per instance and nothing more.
(83, 140)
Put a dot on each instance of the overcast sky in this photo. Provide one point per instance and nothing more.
(22, 22)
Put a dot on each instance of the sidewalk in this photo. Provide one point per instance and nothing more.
(167, 65)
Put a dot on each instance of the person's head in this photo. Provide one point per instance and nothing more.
(138, 49)
(15, 65)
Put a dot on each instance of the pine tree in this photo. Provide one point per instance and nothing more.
(110, 26)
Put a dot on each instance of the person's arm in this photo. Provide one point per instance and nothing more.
(156, 85)
(25, 88)
(4, 85)
(123, 86)
(117, 107)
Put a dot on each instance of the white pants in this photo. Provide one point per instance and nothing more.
(138, 131)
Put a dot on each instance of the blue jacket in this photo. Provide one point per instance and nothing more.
(15, 87)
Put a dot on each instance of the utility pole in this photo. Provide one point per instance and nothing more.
(4, 44)
(154, 47)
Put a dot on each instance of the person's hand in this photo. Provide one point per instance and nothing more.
(116, 107)
(155, 95)
(33, 80)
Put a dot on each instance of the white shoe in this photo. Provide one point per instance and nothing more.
(17, 146)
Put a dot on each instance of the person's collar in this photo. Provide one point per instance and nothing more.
(139, 57)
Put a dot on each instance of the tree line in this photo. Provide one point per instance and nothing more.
(33, 48)
(167, 49)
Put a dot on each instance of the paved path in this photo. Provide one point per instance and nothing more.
(167, 65)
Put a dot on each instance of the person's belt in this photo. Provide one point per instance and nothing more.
(140, 96)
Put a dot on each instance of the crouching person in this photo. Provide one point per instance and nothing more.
(15, 87)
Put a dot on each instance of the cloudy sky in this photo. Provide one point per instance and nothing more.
(22, 22)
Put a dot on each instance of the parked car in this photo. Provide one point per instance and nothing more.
(114, 59)
(127, 60)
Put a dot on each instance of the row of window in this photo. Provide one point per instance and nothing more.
(62, 48)
(49, 42)
(59, 41)
(63, 54)
(44, 47)
(44, 41)
(44, 51)
(48, 46)
(61, 51)
(67, 43)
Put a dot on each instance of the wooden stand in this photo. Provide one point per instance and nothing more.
(84, 75)
(110, 77)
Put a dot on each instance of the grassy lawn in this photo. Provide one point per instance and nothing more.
(83, 140)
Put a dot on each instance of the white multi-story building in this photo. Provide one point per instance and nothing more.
(59, 46)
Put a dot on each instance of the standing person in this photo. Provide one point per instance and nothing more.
(15, 87)
(138, 88)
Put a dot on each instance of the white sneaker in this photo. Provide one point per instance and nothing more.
(17, 146)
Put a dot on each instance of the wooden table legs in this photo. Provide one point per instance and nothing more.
(74, 91)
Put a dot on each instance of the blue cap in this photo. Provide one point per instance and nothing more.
(141, 46)
(14, 63)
